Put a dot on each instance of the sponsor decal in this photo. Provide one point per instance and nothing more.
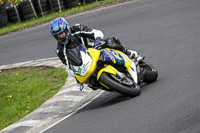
(79, 70)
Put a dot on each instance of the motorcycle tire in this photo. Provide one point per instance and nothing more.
(120, 88)
(150, 73)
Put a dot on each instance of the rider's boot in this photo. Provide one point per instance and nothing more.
(134, 55)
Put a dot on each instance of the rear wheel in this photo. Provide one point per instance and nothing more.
(125, 86)
(150, 73)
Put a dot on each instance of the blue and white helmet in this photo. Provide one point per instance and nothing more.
(60, 30)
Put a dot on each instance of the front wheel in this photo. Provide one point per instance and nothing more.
(113, 84)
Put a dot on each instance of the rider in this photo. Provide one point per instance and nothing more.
(68, 37)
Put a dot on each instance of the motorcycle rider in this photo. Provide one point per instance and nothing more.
(68, 37)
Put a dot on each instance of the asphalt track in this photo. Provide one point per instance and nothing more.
(167, 33)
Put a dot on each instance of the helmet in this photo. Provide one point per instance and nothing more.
(60, 30)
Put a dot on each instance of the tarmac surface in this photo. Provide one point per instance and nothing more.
(167, 33)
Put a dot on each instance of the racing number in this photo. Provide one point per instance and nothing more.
(117, 56)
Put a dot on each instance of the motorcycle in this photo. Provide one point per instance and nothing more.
(110, 70)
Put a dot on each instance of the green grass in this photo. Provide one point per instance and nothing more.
(34, 21)
(23, 90)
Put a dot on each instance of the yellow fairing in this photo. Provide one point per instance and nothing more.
(95, 57)
(108, 69)
(127, 60)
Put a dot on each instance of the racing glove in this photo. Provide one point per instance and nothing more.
(98, 43)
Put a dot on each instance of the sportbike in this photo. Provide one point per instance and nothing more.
(110, 70)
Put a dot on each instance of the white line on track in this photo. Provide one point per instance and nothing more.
(76, 110)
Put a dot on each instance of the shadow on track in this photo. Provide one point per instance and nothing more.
(107, 99)
(111, 99)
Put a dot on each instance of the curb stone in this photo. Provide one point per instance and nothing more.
(67, 99)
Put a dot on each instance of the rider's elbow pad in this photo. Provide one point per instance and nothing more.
(98, 34)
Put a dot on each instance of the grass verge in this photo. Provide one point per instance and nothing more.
(23, 90)
(12, 27)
